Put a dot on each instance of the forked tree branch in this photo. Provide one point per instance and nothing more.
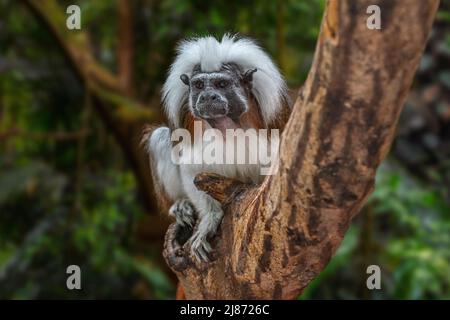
(123, 116)
(277, 237)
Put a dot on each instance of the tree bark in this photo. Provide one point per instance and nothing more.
(277, 237)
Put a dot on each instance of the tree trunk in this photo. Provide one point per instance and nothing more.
(277, 237)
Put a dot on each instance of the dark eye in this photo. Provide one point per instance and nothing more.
(199, 84)
(223, 84)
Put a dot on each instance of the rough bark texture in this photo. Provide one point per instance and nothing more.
(275, 238)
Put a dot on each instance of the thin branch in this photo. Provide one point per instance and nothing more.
(125, 48)
(53, 136)
(124, 117)
(99, 81)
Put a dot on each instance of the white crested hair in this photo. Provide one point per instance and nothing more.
(268, 85)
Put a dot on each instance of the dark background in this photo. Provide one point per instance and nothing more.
(69, 193)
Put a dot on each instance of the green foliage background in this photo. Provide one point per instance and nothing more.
(74, 201)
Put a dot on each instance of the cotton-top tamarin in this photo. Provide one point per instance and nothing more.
(227, 84)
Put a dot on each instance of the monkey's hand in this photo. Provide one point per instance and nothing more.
(184, 213)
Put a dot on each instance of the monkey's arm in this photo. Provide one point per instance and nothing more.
(166, 178)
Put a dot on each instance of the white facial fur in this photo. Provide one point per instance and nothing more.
(268, 88)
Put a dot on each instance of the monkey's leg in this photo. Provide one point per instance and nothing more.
(209, 213)
(209, 220)
(184, 212)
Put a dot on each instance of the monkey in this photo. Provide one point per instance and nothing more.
(226, 84)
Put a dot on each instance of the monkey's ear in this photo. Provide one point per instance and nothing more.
(248, 75)
(185, 79)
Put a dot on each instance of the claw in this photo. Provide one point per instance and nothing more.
(200, 247)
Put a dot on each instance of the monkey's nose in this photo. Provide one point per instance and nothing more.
(209, 97)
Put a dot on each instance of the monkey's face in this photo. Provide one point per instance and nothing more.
(218, 97)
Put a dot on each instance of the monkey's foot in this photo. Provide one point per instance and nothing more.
(184, 213)
(200, 247)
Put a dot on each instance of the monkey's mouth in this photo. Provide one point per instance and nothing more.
(223, 123)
